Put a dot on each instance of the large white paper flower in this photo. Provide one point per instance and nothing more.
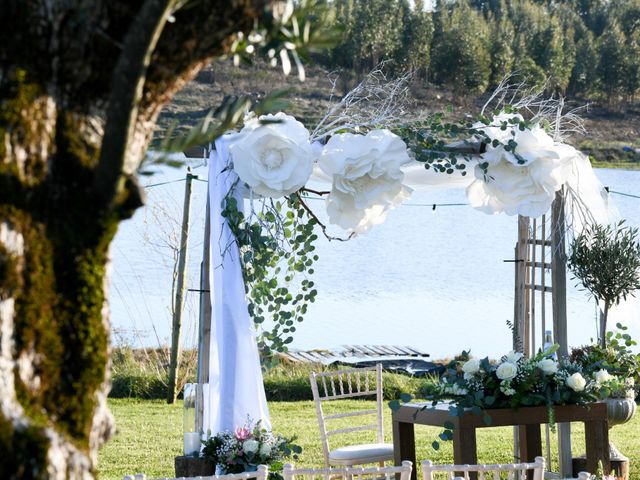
(525, 184)
(274, 159)
(495, 131)
(367, 179)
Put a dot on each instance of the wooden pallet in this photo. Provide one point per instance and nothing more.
(363, 352)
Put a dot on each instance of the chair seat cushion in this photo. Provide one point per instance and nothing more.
(359, 454)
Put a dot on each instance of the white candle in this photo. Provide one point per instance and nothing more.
(191, 443)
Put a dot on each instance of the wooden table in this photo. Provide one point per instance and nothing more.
(528, 419)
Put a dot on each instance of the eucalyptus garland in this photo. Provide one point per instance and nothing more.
(277, 253)
(436, 142)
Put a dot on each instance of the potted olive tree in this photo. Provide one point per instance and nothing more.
(606, 260)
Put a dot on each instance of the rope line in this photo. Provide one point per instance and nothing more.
(165, 183)
(432, 205)
(620, 193)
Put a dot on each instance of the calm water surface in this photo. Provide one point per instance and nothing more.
(435, 280)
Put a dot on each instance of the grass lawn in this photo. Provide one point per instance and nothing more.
(149, 436)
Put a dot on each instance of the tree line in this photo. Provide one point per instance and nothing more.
(585, 48)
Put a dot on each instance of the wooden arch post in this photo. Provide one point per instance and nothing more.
(540, 276)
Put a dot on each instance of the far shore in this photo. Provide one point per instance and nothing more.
(618, 165)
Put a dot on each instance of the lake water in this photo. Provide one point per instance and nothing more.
(432, 279)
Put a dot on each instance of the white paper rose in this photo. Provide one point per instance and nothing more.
(525, 184)
(265, 450)
(250, 446)
(366, 177)
(494, 131)
(602, 376)
(274, 159)
(576, 382)
(507, 371)
(470, 368)
(548, 366)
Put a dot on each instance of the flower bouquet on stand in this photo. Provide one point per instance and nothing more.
(616, 370)
(479, 385)
(249, 446)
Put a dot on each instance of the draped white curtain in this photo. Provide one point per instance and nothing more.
(236, 390)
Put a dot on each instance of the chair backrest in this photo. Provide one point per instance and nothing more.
(260, 474)
(485, 472)
(344, 384)
(350, 473)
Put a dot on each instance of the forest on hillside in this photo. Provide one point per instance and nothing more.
(580, 48)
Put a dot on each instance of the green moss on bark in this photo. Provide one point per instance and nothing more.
(58, 321)
(24, 451)
(17, 113)
(9, 273)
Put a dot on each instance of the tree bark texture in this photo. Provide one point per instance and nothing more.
(71, 70)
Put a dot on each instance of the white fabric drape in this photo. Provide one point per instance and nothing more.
(236, 390)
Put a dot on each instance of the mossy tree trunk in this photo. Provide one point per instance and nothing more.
(81, 86)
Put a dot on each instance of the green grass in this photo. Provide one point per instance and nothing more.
(149, 436)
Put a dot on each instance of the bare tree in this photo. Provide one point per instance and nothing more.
(81, 86)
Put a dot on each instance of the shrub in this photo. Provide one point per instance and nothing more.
(135, 375)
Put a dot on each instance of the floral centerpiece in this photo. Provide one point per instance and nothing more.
(616, 368)
(615, 362)
(480, 385)
(249, 446)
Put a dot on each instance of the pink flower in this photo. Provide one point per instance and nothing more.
(242, 433)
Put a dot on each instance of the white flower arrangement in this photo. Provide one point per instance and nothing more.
(521, 171)
(366, 177)
(516, 381)
(249, 446)
(274, 158)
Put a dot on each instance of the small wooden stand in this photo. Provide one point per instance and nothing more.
(188, 466)
(528, 418)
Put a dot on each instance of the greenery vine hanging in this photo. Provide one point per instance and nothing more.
(276, 249)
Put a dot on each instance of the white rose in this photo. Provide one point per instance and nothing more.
(470, 367)
(274, 159)
(265, 450)
(250, 446)
(514, 357)
(548, 366)
(576, 382)
(367, 179)
(454, 389)
(507, 371)
(602, 376)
